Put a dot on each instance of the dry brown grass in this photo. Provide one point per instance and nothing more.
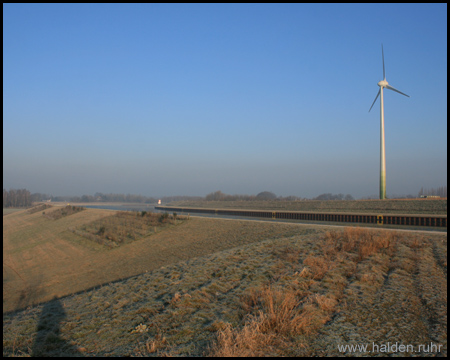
(279, 308)
(362, 242)
(272, 313)
(318, 266)
(249, 341)
(158, 343)
(282, 314)
(325, 303)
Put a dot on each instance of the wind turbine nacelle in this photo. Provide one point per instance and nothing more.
(383, 83)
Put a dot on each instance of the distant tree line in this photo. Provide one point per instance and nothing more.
(23, 198)
(120, 198)
(100, 197)
(16, 198)
(440, 191)
(167, 199)
(38, 197)
(329, 196)
(220, 196)
(267, 195)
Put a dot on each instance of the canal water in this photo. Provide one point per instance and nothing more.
(125, 207)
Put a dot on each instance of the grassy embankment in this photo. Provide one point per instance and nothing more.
(260, 289)
(7, 211)
(44, 257)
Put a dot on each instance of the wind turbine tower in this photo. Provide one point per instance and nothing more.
(383, 84)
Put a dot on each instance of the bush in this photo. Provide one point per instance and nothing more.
(101, 231)
(163, 217)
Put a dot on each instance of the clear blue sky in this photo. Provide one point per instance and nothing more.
(170, 99)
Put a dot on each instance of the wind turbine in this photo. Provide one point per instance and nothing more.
(383, 84)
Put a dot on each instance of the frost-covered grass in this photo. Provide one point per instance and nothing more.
(297, 294)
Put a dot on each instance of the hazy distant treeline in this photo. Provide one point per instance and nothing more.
(267, 195)
(23, 198)
(220, 196)
(16, 198)
(100, 197)
(440, 191)
(329, 196)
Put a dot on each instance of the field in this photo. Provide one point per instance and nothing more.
(401, 206)
(205, 287)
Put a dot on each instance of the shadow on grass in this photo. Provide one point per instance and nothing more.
(48, 341)
(31, 293)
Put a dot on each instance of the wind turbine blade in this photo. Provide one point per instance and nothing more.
(382, 53)
(391, 88)
(375, 99)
